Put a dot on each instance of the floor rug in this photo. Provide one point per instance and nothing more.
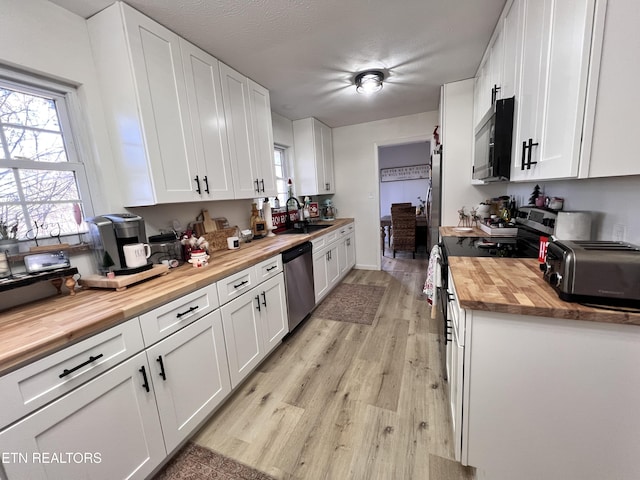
(194, 462)
(350, 302)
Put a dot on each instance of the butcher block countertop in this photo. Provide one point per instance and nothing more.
(33, 330)
(462, 232)
(515, 285)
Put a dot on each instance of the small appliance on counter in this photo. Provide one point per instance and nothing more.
(596, 272)
(328, 210)
(109, 234)
(165, 246)
(42, 262)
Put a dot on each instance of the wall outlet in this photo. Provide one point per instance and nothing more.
(619, 232)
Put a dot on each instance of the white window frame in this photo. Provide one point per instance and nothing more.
(70, 118)
(286, 170)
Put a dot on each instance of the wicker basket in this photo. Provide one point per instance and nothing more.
(218, 239)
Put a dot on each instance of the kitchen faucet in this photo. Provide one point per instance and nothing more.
(300, 216)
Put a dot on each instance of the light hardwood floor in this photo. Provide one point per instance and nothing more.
(339, 400)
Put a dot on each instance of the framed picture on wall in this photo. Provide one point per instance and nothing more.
(410, 172)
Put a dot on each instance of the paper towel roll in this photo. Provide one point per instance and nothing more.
(573, 226)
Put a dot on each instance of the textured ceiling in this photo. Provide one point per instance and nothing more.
(306, 52)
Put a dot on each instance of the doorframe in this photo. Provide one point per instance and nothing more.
(376, 149)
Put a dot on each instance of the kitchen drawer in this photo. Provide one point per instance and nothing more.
(345, 230)
(172, 316)
(324, 240)
(40, 382)
(268, 268)
(235, 285)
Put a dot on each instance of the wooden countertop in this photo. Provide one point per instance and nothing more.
(515, 285)
(31, 331)
(455, 232)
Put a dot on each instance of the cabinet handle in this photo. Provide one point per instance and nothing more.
(264, 299)
(257, 185)
(258, 300)
(348, 242)
(145, 385)
(206, 184)
(182, 314)
(494, 94)
(162, 374)
(197, 180)
(327, 186)
(262, 182)
(524, 152)
(66, 371)
(271, 268)
(244, 282)
(529, 162)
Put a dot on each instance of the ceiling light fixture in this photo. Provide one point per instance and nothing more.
(369, 81)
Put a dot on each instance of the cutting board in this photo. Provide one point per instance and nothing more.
(208, 223)
(121, 282)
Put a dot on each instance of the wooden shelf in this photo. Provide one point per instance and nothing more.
(24, 279)
(82, 247)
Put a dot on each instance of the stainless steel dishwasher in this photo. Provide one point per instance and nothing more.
(298, 277)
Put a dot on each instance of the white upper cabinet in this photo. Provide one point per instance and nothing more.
(614, 97)
(313, 143)
(184, 126)
(145, 96)
(556, 45)
(204, 92)
(248, 115)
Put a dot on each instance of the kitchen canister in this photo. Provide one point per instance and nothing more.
(573, 226)
(233, 243)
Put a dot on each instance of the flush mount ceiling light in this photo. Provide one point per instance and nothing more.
(369, 81)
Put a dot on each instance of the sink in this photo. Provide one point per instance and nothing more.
(306, 229)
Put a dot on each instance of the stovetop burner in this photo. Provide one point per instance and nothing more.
(489, 247)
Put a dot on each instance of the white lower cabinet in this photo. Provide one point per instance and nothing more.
(346, 254)
(190, 376)
(254, 323)
(106, 429)
(326, 271)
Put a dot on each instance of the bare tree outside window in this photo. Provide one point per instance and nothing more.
(39, 168)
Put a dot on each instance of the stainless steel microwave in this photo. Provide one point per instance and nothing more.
(493, 140)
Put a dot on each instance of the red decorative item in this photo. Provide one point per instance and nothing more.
(314, 211)
(542, 251)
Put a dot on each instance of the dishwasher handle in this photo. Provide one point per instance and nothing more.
(296, 251)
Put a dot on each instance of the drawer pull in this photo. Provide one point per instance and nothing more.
(179, 315)
(244, 282)
(162, 374)
(258, 300)
(66, 371)
(271, 268)
(145, 385)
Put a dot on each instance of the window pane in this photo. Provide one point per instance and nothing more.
(8, 187)
(48, 185)
(279, 172)
(29, 110)
(11, 215)
(35, 145)
(53, 219)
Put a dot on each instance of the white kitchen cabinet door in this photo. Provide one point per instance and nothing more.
(243, 334)
(313, 143)
(190, 376)
(273, 314)
(142, 80)
(204, 92)
(481, 91)
(237, 110)
(552, 94)
(333, 269)
(320, 279)
(351, 251)
(512, 44)
(263, 139)
(113, 419)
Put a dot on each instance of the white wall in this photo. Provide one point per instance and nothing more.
(403, 190)
(40, 37)
(457, 138)
(356, 171)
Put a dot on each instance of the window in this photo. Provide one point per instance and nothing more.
(42, 181)
(282, 177)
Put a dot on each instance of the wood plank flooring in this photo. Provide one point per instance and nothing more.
(339, 400)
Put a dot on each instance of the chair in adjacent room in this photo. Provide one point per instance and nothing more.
(403, 229)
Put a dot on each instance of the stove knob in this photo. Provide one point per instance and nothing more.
(555, 278)
(544, 267)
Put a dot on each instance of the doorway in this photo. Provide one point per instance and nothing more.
(403, 178)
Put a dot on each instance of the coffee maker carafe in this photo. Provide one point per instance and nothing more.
(108, 234)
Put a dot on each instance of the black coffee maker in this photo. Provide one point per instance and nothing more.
(108, 234)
